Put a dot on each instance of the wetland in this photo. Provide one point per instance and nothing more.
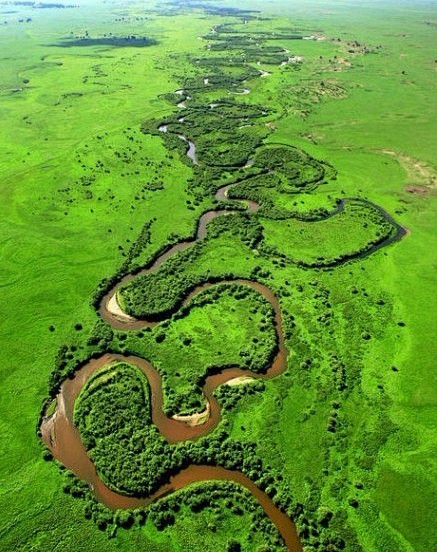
(215, 312)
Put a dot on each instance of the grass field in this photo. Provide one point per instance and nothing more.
(351, 230)
(351, 423)
(222, 330)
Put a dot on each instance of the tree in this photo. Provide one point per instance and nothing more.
(123, 518)
(234, 546)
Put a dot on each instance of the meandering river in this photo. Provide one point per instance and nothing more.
(63, 439)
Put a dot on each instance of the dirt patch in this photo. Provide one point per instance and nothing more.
(339, 64)
(194, 419)
(415, 189)
(242, 380)
(422, 176)
(313, 137)
(114, 308)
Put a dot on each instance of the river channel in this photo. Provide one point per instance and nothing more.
(63, 439)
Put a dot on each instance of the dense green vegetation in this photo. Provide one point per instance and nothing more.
(226, 325)
(250, 528)
(92, 190)
(115, 41)
(113, 416)
(179, 518)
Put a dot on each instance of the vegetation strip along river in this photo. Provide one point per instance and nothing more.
(63, 438)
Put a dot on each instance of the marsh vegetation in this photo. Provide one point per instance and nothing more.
(236, 322)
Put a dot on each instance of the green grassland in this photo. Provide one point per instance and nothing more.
(351, 230)
(350, 425)
(228, 326)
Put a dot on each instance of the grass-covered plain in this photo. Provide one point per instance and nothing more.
(351, 231)
(353, 367)
(227, 325)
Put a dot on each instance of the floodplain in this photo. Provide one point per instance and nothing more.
(218, 276)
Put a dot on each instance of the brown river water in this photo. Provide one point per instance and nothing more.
(63, 439)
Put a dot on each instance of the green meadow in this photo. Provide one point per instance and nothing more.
(88, 186)
(231, 326)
